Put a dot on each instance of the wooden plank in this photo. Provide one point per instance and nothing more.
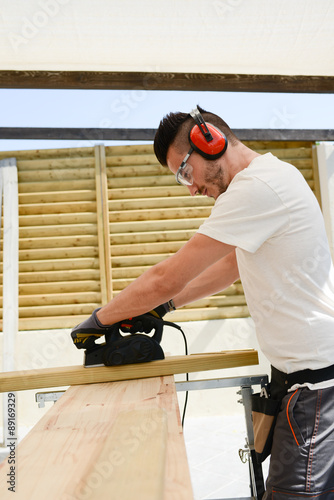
(156, 225)
(142, 163)
(37, 187)
(137, 259)
(146, 237)
(56, 219)
(146, 192)
(59, 286)
(126, 80)
(142, 249)
(68, 174)
(63, 163)
(58, 242)
(76, 375)
(52, 196)
(33, 154)
(94, 435)
(60, 298)
(31, 266)
(103, 224)
(286, 152)
(57, 253)
(142, 214)
(142, 181)
(129, 149)
(167, 202)
(269, 145)
(43, 231)
(41, 310)
(50, 322)
(58, 207)
(69, 275)
(142, 475)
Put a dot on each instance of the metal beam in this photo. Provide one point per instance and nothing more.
(137, 134)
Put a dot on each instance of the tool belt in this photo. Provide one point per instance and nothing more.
(266, 404)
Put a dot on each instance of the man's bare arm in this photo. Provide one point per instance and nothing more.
(213, 280)
(165, 280)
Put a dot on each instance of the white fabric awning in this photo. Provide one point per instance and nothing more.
(280, 37)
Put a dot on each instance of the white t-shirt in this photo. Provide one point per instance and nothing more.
(271, 215)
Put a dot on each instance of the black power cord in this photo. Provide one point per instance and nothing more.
(174, 325)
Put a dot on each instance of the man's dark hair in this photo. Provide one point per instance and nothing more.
(175, 128)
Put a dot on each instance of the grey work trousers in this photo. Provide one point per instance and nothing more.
(302, 455)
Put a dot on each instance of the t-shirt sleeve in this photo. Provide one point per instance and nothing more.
(246, 215)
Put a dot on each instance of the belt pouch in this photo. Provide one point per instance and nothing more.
(264, 415)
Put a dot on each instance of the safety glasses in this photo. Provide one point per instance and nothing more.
(184, 174)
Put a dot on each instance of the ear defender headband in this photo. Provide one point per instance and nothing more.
(205, 138)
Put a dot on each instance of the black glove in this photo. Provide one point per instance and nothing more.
(147, 322)
(91, 329)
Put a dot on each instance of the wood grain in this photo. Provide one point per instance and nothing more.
(142, 472)
(98, 436)
(165, 81)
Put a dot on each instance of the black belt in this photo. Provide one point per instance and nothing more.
(311, 376)
(281, 381)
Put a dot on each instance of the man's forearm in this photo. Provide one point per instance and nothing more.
(166, 280)
(214, 279)
(147, 292)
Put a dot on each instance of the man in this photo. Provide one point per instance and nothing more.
(266, 227)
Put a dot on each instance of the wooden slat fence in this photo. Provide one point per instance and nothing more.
(93, 219)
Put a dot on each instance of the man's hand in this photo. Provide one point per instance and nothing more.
(146, 322)
(91, 329)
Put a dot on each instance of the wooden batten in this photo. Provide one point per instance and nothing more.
(57, 207)
(156, 225)
(48, 242)
(58, 253)
(55, 164)
(76, 375)
(147, 191)
(70, 174)
(31, 266)
(59, 286)
(103, 225)
(166, 201)
(64, 298)
(144, 238)
(43, 154)
(160, 214)
(48, 219)
(41, 311)
(32, 187)
(43, 231)
(83, 195)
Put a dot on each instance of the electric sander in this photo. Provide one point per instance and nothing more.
(140, 344)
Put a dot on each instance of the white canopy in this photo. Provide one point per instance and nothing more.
(280, 37)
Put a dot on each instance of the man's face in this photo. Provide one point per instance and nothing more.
(209, 178)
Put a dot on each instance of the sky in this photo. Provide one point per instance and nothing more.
(144, 109)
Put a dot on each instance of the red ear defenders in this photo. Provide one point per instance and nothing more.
(205, 138)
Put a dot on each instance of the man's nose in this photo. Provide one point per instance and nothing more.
(193, 190)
